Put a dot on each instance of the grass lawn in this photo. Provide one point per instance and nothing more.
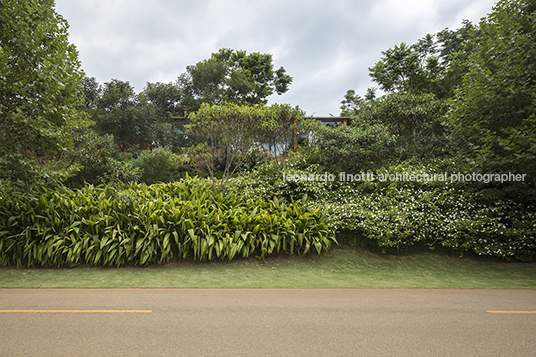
(343, 267)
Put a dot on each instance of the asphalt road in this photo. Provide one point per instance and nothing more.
(267, 322)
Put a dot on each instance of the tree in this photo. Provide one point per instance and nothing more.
(455, 48)
(493, 116)
(203, 83)
(353, 102)
(136, 121)
(125, 115)
(280, 128)
(234, 77)
(91, 91)
(165, 98)
(92, 152)
(39, 89)
(164, 102)
(400, 70)
(434, 64)
(415, 119)
(229, 132)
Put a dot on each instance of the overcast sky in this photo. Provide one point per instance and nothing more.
(327, 46)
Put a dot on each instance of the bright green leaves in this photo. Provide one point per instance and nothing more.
(252, 78)
(434, 64)
(399, 70)
(143, 225)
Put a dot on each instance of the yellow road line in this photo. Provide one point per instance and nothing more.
(512, 312)
(79, 311)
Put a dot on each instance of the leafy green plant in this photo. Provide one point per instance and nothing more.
(394, 215)
(493, 116)
(229, 133)
(140, 224)
(351, 148)
(414, 119)
(392, 212)
(159, 165)
(117, 171)
(40, 73)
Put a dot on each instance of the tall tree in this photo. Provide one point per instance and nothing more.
(203, 83)
(39, 87)
(399, 70)
(232, 76)
(91, 91)
(228, 132)
(493, 116)
(165, 98)
(434, 64)
(455, 47)
(164, 101)
(280, 128)
(120, 112)
(352, 103)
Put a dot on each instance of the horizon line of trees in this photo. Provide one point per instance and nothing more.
(461, 101)
(465, 94)
(58, 125)
(468, 95)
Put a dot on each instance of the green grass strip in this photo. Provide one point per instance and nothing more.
(343, 267)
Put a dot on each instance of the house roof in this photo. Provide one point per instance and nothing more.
(331, 118)
(344, 120)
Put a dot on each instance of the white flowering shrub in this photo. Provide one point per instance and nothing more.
(399, 214)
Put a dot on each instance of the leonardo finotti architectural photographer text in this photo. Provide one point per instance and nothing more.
(442, 177)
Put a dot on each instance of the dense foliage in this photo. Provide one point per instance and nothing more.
(231, 76)
(457, 102)
(415, 120)
(435, 64)
(139, 224)
(357, 147)
(385, 209)
(39, 76)
(230, 133)
(493, 113)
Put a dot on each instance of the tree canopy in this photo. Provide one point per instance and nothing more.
(39, 87)
(434, 64)
(230, 132)
(493, 113)
(484, 78)
(232, 76)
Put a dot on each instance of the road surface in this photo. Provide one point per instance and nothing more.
(267, 322)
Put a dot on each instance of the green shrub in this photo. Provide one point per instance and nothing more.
(116, 171)
(159, 165)
(140, 224)
(393, 215)
(272, 180)
(415, 119)
(347, 148)
(400, 214)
